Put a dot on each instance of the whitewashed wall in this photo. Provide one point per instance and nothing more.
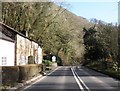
(40, 56)
(7, 53)
(35, 51)
(21, 51)
(26, 48)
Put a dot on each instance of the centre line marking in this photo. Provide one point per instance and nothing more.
(82, 82)
(79, 84)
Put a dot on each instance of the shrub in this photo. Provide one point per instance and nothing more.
(48, 62)
(27, 72)
(10, 75)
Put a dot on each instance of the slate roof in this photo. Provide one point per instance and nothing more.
(6, 32)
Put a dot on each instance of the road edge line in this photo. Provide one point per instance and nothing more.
(40, 78)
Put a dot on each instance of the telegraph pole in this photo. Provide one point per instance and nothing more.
(119, 34)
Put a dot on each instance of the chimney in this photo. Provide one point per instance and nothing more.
(24, 32)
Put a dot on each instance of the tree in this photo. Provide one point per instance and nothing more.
(94, 50)
(52, 26)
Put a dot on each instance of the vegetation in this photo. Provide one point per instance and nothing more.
(101, 46)
(94, 50)
(29, 71)
(118, 46)
(60, 32)
(47, 62)
(10, 75)
(64, 35)
(55, 29)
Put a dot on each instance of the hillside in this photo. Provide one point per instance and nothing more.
(55, 29)
(75, 25)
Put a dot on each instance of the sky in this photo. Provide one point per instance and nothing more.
(106, 10)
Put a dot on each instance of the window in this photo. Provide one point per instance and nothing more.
(4, 61)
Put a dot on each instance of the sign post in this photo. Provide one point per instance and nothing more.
(53, 59)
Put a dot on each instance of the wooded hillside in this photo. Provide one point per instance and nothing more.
(60, 32)
(56, 29)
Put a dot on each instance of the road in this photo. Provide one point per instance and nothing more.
(68, 78)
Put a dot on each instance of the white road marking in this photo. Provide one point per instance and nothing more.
(82, 82)
(79, 84)
(54, 70)
(41, 78)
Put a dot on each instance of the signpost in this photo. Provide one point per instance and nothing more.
(53, 59)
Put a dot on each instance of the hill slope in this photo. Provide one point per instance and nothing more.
(56, 29)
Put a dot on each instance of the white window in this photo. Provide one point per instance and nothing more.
(4, 60)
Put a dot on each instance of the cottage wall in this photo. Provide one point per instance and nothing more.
(7, 53)
(35, 51)
(21, 50)
(15, 48)
(7, 47)
(26, 48)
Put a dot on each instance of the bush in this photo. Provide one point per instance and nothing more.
(105, 68)
(10, 75)
(48, 62)
(27, 72)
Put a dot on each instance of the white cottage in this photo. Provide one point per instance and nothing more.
(7, 50)
(15, 48)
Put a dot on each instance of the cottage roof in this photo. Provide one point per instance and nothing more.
(4, 27)
(3, 36)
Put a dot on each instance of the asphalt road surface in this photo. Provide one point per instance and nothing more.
(68, 78)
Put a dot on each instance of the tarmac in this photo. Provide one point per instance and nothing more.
(20, 85)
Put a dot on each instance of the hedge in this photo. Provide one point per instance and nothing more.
(27, 72)
(10, 75)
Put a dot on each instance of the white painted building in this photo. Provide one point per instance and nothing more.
(7, 51)
(40, 57)
(15, 48)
